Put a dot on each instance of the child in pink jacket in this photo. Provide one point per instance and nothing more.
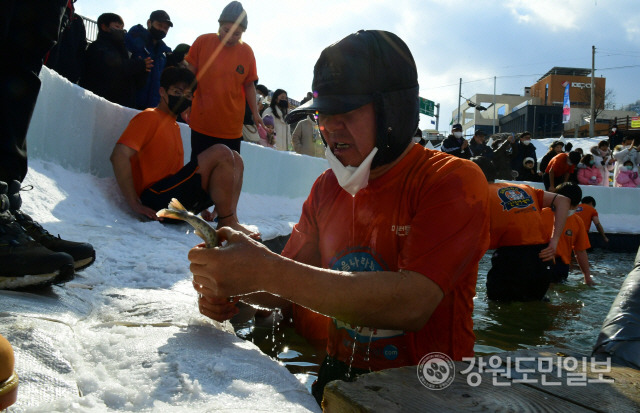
(628, 176)
(588, 173)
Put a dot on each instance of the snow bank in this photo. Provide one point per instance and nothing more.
(77, 129)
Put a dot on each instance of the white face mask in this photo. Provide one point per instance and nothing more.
(525, 142)
(457, 134)
(350, 178)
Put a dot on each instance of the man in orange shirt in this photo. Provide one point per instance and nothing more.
(559, 169)
(520, 265)
(148, 160)
(574, 237)
(367, 251)
(226, 70)
(587, 212)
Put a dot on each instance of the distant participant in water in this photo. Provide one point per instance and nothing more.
(586, 210)
(523, 251)
(574, 237)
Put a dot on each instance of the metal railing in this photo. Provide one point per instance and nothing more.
(91, 27)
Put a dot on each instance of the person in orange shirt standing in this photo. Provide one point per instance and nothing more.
(574, 237)
(559, 169)
(148, 161)
(523, 250)
(225, 68)
(587, 211)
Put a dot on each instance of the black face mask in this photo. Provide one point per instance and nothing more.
(118, 35)
(283, 104)
(157, 34)
(178, 104)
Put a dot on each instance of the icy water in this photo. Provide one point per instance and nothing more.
(571, 319)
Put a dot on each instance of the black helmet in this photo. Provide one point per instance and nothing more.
(369, 66)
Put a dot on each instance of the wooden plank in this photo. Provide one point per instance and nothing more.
(399, 390)
(620, 392)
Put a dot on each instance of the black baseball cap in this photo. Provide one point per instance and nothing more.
(352, 71)
(160, 16)
(457, 126)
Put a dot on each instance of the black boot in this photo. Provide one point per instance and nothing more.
(83, 253)
(24, 262)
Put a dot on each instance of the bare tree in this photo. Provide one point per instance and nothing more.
(604, 100)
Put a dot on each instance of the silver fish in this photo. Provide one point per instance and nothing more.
(202, 228)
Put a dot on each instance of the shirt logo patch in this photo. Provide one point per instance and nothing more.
(568, 233)
(240, 69)
(514, 197)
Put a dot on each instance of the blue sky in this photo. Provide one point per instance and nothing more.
(517, 41)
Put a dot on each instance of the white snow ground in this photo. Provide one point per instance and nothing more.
(125, 334)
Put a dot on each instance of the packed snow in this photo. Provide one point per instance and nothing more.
(126, 334)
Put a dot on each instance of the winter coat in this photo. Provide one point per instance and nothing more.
(480, 149)
(544, 162)
(615, 138)
(283, 133)
(303, 139)
(110, 73)
(67, 56)
(602, 163)
(140, 43)
(622, 154)
(502, 151)
(520, 152)
(453, 146)
(589, 175)
(529, 175)
(628, 179)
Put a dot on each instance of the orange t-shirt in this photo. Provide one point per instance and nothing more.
(586, 212)
(515, 215)
(560, 165)
(155, 135)
(219, 101)
(574, 237)
(428, 214)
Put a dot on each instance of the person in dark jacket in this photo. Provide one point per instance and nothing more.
(615, 137)
(147, 42)
(521, 150)
(67, 56)
(478, 147)
(109, 72)
(555, 148)
(455, 144)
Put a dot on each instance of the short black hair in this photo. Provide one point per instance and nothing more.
(174, 75)
(589, 200)
(487, 166)
(262, 89)
(571, 191)
(525, 134)
(574, 157)
(108, 18)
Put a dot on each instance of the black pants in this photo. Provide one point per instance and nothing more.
(518, 274)
(201, 142)
(29, 28)
(559, 271)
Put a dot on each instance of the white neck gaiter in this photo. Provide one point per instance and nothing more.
(350, 178)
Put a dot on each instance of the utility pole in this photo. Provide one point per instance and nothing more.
(459, 94)
(494, 105)
(438, 116)
(592, 122)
